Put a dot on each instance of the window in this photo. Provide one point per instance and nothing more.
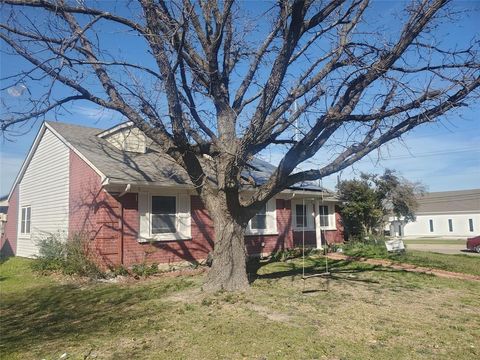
(323, 215)
(450, 225)
(26, 218)
(259, 221)
(301, 215)
(164, 214)
(431, 225)
(470, 224)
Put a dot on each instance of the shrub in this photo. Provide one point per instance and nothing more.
(52, 253)
(69, 256)
(78, 261)
(367, 248)
(145, 270)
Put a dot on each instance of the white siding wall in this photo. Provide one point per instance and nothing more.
(421, 226)
(128, 139)
(44, 187)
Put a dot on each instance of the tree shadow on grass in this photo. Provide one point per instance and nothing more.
(67, 312)
(336, 270)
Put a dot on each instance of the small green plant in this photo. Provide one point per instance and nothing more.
(119, 270)
(70, 256)
(284, 255)
(145, 270)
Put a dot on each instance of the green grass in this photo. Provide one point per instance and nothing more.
(16, 276)
(436, 241)
(456, 263)
(363, 315)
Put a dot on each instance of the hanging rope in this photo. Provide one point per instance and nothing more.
(325, 251)
(326, 273)
(303, 237)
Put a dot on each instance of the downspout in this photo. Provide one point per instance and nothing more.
(127, 189)
(122, 222)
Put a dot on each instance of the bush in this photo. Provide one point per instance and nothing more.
(78, 260)
(145, 270)
(52, 253)
(372, 248)
(71, 257)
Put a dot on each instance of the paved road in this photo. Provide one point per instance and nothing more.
(443, 249)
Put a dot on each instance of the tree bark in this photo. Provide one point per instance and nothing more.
(228, 271)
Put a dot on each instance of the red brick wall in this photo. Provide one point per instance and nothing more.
(8, 242)
(98, 214)
(93, 213)
(337, 235)
(310, 238)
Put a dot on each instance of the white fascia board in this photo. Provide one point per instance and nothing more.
(25, 163)
(115, 128)
(103, 178)
(141, 186)
(310, 193)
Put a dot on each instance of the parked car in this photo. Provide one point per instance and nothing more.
(473, 244)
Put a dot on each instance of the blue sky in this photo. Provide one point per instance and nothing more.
(443, 156)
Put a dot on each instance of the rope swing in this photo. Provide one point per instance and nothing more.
(326, 273)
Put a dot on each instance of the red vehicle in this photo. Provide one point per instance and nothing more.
(473, 244)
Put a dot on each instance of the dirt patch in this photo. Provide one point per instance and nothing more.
(269, 313)
(186, 296)
(406, 267)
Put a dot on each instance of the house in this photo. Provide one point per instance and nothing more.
(134, 203)
(443, 214)
(3, 214)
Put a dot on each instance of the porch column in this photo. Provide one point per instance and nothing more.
(318, 233)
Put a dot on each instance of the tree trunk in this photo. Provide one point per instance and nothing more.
(228, 271)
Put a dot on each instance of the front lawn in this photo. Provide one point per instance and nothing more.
(457, 263)
(363, 312)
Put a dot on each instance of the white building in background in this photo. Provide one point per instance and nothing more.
(454, 214)
(3, 213)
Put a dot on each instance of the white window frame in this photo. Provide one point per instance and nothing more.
(329, 220)
(179, 234)
(28, 209)
(271, 221)
(310, 216)
(150, 214)
(332, 223)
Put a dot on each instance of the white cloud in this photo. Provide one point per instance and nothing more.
(96, 114)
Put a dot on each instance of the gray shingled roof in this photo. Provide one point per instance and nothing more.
(120, 166)
(449, 201)
(153, 167)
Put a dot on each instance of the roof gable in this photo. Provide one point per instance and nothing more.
(46, 126)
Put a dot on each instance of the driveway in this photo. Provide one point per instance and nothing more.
(442, 248)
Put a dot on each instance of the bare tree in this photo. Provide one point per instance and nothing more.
(222, 85)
